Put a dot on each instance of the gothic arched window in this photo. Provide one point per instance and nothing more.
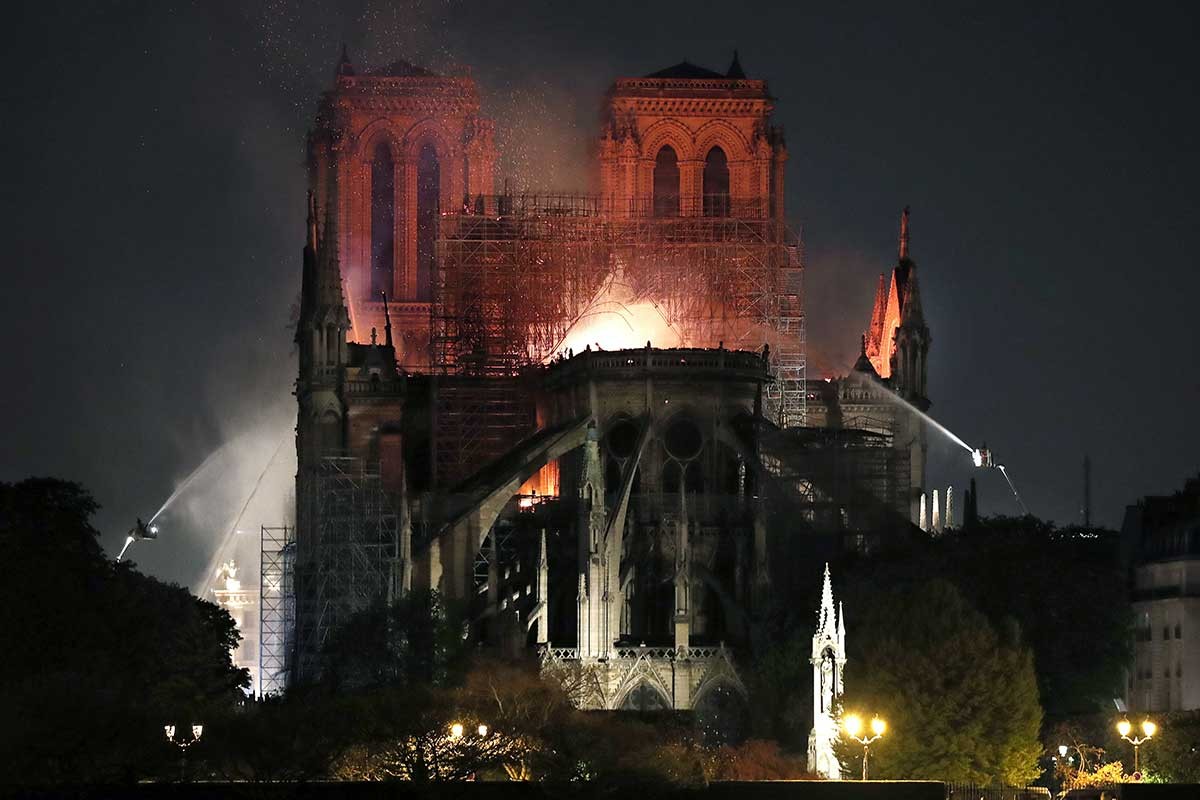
(666, 183)
(429, 184)
(716, 184)
(383, 220)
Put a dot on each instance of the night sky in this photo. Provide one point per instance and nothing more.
(157, 214)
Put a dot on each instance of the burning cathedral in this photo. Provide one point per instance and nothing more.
(584, 418)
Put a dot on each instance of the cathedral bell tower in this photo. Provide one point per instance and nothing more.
(393, 148)
(692, 142)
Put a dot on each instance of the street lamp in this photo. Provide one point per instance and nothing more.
(456, 730)
(1148, 728)
(182, 743)
(854, 726)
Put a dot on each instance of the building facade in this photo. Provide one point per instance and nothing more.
(465, 423)
(1161, 544)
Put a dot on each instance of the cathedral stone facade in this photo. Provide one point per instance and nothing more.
(626, 513)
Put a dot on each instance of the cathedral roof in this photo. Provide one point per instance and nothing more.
(686, 69)
(864, 362)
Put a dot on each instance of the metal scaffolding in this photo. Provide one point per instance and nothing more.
(848, 480)
(346, 564)
(517, 272)
(276, 607)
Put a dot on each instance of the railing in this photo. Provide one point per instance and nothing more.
(690, 358)
(546, 653)
(971, 791)
(669, 206)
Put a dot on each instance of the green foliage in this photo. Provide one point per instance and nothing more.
(111, 655)
(1174, 752)
(1062, 589)
(960, 699)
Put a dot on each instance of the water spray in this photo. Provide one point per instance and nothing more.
(1004, 472)
(235, 527)
(187, 481)
(981, 457)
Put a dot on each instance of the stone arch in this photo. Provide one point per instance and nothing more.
(715, 183)
(666, 181)
(372, 134)
(643, 696)
(668, 131)
(676, 433)
(431, 131)
(721, 133)
(643, 691)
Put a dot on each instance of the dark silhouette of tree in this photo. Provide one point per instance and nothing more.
(99, 656)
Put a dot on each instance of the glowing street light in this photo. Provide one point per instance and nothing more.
(182, 743)
(854, 727)
(456, 730)
(1148, 728)
(483, 731)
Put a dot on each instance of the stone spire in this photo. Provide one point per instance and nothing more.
(543, 592)
(828, 662)
(308, 279)
(735, 70)
(344, 67)
(904, 234)
(826, 622)
(331, 300)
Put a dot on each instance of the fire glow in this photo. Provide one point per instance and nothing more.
(616, 319)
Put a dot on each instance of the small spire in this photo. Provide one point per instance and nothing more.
(863, 349)
(387, 321)
(904, 234)
(735, 70)
(825, 618)
(312, 220)
(344, 67)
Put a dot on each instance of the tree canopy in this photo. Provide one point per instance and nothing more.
(99, 656)
(960, 698)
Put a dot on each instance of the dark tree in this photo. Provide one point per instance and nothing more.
(960, 698)
(99, 656)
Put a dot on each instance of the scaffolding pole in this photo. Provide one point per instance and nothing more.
(515, 274)
(345, 567)
(276, 607)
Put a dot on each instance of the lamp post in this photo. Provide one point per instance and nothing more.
(183, 744)
(1148, 728)
(1066, 761)
(854, 726)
